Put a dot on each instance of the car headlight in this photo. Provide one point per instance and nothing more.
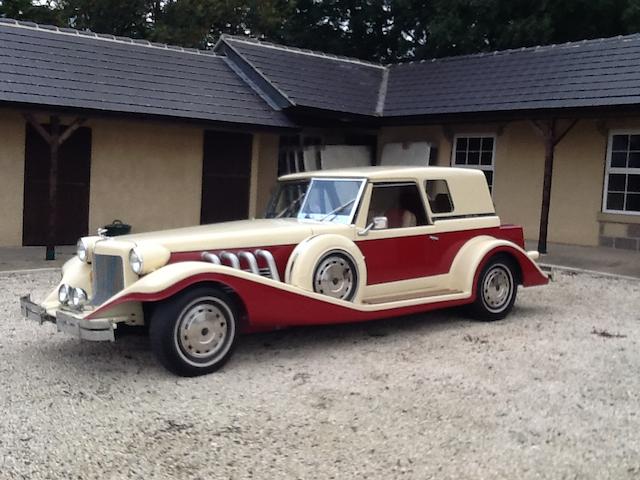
(135, 261)
(82, 250)
(64, 294)
(78, 297)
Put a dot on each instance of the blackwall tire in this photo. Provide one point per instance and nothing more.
(194, 332)
(336, 275)
(496, 290)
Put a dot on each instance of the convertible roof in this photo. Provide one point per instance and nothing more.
(389, 173)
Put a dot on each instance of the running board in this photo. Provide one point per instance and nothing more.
(398, 297)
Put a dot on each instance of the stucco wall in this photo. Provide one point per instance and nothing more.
(519, 167)
(266, 173)
(146, 174)
(12, 132)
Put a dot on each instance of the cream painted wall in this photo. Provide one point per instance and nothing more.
(519, 168)
(146, 174)
(12, 133)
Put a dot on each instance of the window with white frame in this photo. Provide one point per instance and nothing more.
(622, 179)
(475, 151)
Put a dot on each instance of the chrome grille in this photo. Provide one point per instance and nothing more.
(108, 277)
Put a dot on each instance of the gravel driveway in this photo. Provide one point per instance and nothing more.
(550, 392)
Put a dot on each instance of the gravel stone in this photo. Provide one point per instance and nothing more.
(550, 392)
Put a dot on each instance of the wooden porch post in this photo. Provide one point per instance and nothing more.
(551, 139)
(55, 139)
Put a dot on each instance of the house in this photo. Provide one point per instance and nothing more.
(162, 136)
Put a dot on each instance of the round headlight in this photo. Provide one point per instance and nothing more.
(64, 293)
(78, 297)
(135, 261)
(82, 251)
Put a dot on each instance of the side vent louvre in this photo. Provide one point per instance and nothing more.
(247, 261)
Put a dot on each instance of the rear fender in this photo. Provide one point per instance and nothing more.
(476, 252)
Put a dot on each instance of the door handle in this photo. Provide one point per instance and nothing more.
(434, 237)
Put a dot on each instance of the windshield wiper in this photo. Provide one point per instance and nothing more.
(291, 205)
(338, 209)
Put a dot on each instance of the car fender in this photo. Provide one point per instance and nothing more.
(304, 260)
(472, 257)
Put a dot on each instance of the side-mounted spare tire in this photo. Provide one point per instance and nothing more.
(330, 265)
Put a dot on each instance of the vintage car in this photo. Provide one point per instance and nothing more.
(336, 246)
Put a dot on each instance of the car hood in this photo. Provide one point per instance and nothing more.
(231, 235)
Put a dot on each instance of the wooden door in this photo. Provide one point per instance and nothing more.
(74, 168)
(226, 171)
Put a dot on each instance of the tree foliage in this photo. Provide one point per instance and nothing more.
(380, 30)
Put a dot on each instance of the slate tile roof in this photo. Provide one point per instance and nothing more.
(591, 73)
(314, 79)
(66, 68)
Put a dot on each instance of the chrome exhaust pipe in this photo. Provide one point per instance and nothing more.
(232, 257)
(271, 263)
(251, 261)
(211, 257)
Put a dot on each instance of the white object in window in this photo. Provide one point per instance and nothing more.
(406, 154)
(622, 178)
(475, 151)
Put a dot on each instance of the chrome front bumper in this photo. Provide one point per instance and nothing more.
(98, 330)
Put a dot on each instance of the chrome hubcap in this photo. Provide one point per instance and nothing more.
(334, 277)
(497, 288)
(202, 330)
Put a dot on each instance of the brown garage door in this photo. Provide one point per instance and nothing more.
(226, 170)
(74, 166)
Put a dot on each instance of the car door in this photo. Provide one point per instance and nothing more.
(409, 247)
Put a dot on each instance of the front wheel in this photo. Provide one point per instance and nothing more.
(194, 332)
(496, 290)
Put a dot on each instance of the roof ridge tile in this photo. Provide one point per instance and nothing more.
(102, 36)
(304, 51)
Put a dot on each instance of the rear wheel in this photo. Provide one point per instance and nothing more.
(496, 290)
(194, 332)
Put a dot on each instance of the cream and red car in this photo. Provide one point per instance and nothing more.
(337, 246)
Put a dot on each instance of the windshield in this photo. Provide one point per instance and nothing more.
(333, 200)
(328, 200)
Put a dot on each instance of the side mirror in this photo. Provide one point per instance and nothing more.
(380, 223)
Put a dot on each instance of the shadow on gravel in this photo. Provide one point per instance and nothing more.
(131, 353)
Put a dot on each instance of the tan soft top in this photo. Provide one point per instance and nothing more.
(468, 187)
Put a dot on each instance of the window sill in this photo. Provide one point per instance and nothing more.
(618, 218)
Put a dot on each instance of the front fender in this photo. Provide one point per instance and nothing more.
(476, 252)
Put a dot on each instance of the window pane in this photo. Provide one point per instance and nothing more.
(634, 142)
(634, 160)
(474, 143)
(439, 197)
(401, 204)
(619, 159)
(461, 157)
(487, 144)
(489, 176)
(461, 143)
(473, 158)
(634, 184)
(633, 203)
(615, 201)
(620, 142)
(486, 158)
(617, 183)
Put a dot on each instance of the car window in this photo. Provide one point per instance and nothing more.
(333, 200)
(401, 203)
(439, 196)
